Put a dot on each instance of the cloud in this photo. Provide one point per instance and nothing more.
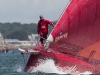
(27, 11)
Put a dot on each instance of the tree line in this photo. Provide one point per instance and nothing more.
(16, 30)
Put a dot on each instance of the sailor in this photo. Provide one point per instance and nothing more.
(42, 28)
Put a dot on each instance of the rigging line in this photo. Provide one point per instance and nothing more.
(24, 59)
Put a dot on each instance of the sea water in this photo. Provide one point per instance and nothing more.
(13, 63)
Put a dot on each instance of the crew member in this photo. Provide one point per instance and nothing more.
(42, 28)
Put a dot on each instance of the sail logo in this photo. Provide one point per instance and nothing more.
(60, 37)
(60, 33)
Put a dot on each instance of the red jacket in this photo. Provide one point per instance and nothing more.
(43, 26)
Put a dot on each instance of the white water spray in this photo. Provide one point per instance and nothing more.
(18, 68)
(48, 66)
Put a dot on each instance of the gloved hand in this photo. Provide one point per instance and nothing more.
(53, 25)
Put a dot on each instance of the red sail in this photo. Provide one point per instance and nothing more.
(78, 27)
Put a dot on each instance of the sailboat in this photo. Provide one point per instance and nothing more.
(75, 40)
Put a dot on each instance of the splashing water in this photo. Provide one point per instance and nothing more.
(18, 68)
(48, 66)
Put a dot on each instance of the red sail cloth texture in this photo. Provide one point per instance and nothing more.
(81, 22)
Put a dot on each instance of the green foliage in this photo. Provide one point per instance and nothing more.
(18, 31)
(22, 35)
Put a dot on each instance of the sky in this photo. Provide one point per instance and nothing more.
(28, 11)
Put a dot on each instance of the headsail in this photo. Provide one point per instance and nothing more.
(78, 27)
